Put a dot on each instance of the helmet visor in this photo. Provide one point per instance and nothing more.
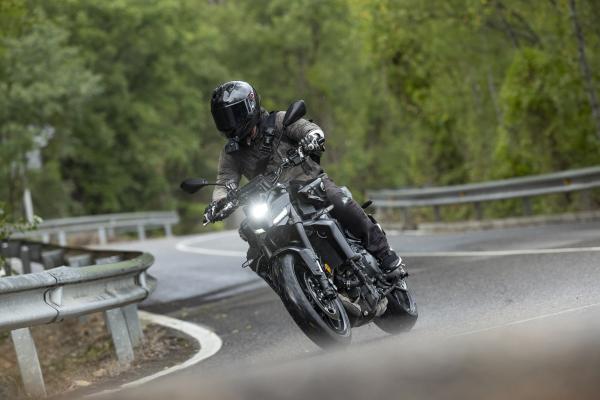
(231, 117)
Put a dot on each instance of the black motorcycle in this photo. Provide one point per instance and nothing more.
(326, 279)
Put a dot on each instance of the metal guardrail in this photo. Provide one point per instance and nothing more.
(477, 193)
(75, 282)
(105, 225)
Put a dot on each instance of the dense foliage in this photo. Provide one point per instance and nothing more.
(113, 95)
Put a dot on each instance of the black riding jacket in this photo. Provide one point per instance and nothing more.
(250, 161)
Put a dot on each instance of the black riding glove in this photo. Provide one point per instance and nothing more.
(218, 210)
(313, 141)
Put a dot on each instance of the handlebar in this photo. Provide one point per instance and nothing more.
(294, 157)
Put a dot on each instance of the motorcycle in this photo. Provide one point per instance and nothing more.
(324, 276)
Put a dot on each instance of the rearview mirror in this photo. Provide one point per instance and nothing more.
(192, 185)
(295, 111)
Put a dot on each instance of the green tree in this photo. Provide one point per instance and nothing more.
(44, 84)
(410, 93)
(138, 139)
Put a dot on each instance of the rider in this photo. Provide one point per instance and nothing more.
(257, 143)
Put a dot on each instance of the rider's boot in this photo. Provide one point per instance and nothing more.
(392, 266)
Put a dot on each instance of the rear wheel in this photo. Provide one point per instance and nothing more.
(325, 322)
(401, 314)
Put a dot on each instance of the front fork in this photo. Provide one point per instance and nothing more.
(327, 287)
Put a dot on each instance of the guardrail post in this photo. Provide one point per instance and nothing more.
(478, 210)
(586, 200)
(141, 232)
(8, 267)
(377, 211)
(406, 218)
(436, 214)
(5, 251)
(389, 210)
(526, 206)
(29, 364)
(111, 228)
(9, 249)
(168, 231)
(117, 325)
(25, 260)
(385, 213)
(62, 238)
(136, 334)
(102, 235)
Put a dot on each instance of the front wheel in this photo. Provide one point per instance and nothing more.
(401, 314)
(325, 322)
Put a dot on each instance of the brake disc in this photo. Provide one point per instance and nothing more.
(327, 306)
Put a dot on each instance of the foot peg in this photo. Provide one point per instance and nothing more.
(397, 273)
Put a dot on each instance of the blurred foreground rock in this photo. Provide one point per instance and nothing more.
(557, 357)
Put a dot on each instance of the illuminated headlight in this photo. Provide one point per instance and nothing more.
(259, 211)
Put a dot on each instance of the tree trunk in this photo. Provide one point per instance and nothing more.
(494, 97)
(506, 25)
(585, 68)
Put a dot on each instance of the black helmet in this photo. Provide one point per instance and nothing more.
(235, 107)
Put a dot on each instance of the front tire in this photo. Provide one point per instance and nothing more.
(401, 314)
(324, 322)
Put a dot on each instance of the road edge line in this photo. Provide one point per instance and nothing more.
(185, 245)
(209, 342)
(503, 253)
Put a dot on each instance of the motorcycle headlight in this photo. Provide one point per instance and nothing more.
(258, 211)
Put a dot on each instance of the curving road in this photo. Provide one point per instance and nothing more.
(464, 283)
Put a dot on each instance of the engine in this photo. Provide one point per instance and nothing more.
(361, 301)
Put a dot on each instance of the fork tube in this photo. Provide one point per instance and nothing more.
(301, 231)
(304, 239)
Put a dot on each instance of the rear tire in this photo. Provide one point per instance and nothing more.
(327, 323)
(401, 314)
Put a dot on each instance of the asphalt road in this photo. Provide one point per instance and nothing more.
(200, 280)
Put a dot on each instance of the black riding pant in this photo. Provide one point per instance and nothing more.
(353, 218)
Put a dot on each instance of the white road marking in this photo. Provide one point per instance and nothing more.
(190, 246)
(498, 253)
(209, 342)
(523, 321)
